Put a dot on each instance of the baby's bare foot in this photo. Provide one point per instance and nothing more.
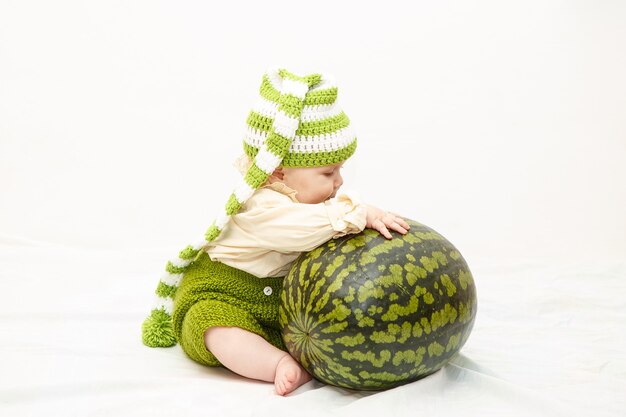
(289, 375)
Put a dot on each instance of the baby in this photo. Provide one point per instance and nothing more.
(220, 298)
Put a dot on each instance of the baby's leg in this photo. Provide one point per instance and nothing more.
(249, 355)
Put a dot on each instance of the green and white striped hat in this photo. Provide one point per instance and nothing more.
(297, 122)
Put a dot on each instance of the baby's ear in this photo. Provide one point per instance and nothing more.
(278, 173)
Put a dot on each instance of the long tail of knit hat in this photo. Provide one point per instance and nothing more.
(296, 123)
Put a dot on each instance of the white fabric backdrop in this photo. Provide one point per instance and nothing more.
(499, 124)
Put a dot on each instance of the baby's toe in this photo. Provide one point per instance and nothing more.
(280, 388)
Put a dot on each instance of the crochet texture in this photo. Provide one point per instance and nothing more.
(296, 122)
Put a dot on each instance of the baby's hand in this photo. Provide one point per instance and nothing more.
(381, 220)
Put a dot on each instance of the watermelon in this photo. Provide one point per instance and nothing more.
(364, 312)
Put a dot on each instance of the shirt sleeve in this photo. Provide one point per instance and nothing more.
(295, 227)
(347, 214)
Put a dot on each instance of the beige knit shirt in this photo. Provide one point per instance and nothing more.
(273, 228)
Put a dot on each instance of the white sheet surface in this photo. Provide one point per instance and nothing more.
(548, 341)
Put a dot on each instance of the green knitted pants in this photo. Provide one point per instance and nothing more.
(214, 294)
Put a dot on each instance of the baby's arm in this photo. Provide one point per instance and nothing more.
(286, 226)
(382, 220)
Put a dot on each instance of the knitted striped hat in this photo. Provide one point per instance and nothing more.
(295, 123)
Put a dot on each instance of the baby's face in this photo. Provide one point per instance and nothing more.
(314, 185)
